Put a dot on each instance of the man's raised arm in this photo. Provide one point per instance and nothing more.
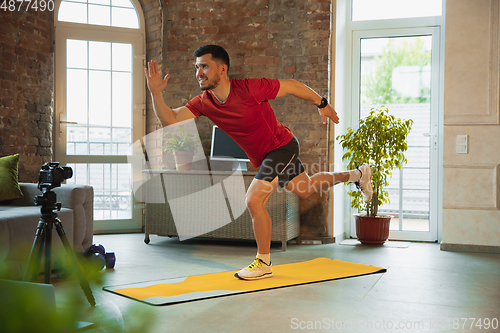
(300, 90)
(156, 84)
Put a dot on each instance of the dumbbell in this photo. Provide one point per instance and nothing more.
(97, 257)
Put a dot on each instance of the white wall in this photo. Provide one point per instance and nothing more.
(471, 199)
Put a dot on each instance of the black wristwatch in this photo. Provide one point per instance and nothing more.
(324, 102)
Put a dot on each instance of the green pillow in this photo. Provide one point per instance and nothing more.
(9, 187)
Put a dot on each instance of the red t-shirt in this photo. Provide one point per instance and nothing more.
(246, 116)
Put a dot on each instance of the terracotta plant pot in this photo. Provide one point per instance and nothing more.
(183, 160)
(372, 230)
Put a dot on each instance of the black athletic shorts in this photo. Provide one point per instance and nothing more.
(282, 162)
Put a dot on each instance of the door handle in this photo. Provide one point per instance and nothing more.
(61, 122)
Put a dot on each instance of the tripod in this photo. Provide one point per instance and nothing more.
(43, 237)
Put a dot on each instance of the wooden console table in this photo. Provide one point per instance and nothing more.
(283, 207)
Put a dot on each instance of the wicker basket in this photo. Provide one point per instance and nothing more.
(283, 207)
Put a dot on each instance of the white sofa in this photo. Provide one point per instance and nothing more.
(19, 220)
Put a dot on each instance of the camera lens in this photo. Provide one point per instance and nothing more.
(66, 172)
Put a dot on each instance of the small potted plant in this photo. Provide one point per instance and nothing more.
(182, 147)
(380, 141)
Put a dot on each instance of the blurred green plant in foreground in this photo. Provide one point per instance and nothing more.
(29, 312)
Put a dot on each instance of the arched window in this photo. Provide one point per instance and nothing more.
(111, 13)
(99, 101)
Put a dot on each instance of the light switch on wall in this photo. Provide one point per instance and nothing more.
(462, 141)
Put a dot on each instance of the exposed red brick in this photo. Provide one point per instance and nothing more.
(26, 81)
(210, 30)
(7, 40)
(260, 60)
(209, 14)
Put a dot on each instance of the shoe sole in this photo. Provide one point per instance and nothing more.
(265, 276)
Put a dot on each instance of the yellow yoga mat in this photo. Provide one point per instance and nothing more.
(186, 289)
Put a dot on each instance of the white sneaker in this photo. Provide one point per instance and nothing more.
(255, 271)
(365, 182)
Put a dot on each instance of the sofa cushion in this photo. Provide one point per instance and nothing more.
(9, 187)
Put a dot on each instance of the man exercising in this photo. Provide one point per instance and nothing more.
(241, 109)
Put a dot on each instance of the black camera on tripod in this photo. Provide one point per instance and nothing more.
(52, 175)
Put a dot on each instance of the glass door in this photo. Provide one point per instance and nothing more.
(400, 70)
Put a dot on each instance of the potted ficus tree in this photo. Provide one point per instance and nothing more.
(182, 147)
(381, 142)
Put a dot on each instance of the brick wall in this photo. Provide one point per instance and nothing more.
(265, 38)
(154, 18)
(26, 89)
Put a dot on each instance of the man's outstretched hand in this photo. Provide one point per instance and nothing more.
(155, 83)
(329, 112)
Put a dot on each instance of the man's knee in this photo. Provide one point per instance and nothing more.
(254, 201)
(258, 194)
